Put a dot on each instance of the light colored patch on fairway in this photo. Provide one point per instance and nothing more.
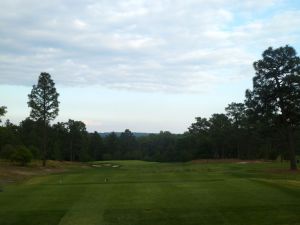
(283, 182)
(106, 165)
(294, 182)
(237, 161)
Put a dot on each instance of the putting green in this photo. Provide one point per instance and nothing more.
(144, 193)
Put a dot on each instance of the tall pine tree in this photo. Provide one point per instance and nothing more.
(275, 98)
(43, 101)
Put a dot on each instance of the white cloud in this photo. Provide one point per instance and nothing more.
(163, 45)
(79, 24)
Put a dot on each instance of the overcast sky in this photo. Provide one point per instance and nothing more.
(143, 65)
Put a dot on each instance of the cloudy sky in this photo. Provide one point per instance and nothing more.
(143, 65)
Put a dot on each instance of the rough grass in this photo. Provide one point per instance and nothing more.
(12, 173)
(143, 193)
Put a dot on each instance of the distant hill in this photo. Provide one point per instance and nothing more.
(136, 134)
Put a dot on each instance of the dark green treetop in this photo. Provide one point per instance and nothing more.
(236, 112)
(201, 125)
(43, 99)
(276, 87)
(2, 111)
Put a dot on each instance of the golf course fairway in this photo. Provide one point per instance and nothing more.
(148, 193)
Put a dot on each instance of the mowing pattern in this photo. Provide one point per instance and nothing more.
(140, 193)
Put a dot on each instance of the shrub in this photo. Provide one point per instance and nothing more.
(22, 155)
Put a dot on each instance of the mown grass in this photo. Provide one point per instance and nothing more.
(144, 193)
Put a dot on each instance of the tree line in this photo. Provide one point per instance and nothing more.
(265, 126)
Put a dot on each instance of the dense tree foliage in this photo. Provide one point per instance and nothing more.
(218, 137)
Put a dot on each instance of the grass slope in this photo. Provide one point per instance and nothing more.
(143, 193)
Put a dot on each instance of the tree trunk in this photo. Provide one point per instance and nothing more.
(238, 150)
(290, 132)
(292, 152)
(44, 143)
(71, 151)
(223, 152)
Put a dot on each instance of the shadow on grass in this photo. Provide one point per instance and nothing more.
(30, 217)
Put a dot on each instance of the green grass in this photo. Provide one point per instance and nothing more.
(144, 193)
